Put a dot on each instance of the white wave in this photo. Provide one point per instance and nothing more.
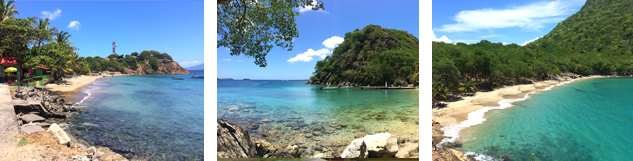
(477, 117)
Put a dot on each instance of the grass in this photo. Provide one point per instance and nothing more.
(22, 142)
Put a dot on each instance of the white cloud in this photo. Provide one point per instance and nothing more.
(530, 16)
(187, 64)
(309, 8)
(74, 25)
(332, 42)
(442, 39)
(51, 15)
(529, 41)
(227, 59)
(307, 56)
(329, 43)
(504, 43)
(238, 60)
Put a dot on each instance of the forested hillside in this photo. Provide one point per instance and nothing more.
(595, 40)
(371, 56)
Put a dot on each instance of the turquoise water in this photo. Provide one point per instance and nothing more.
(584, 120)
(284, 112)
(144, 117)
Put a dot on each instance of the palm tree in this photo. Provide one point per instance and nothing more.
(63, 37)
(440, 92)
(43, 26)
(468, 86)
(7, 9)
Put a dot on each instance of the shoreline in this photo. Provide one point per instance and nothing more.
(458, 111)
(462, 114)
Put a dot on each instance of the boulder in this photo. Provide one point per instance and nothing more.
(31, 94)
(357, 149)
(68, 103)
(234, 141)
(31, 129)
(264, 147)
(104, 153)
(59, 134)
(32, 118)
(383, 145)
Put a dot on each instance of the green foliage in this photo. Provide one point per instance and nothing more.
(23, 142)
(145, 55)
(134, 54)
(153, 62)
(253, 29)
(371, 56)
(7, 9)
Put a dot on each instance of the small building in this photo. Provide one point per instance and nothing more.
(31, 76)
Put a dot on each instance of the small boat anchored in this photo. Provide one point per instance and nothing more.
(174, 78)
(195, 76)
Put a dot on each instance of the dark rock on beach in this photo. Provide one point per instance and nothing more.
(234, 141)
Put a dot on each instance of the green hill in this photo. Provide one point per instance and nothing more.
(371, 56)
(604, 26)
(595, 40)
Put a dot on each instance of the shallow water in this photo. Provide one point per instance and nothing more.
(585, 120)
(144, 117)
(288, 112)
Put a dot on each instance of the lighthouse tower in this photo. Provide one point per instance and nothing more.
(114, 47)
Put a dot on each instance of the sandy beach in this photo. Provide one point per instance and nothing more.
(456, 112)
(72, 84)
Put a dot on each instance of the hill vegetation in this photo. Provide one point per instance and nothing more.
(147, 62)
(371, 56)
(595, 40)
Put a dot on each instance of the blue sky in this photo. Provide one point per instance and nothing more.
(319, 32)
(173, 27)
(518, 22)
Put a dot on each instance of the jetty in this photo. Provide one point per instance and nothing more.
(8, 120)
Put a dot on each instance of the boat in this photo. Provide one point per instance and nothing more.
(348, 87)
(329, 88)
(246, 79)
(198, 77)
(178, 78)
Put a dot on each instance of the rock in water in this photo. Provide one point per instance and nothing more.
(383, 145)
(263, 147)
(357, 149)
(59, 134)
(32, 118)
(234, 141)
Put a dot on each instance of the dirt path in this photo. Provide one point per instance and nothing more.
(8, 121)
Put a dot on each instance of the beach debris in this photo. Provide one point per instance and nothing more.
(383, 145)
(234, 141)
(59, 134)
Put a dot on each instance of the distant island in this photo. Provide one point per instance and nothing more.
(372, 56)
(197, 67)
(225, 78)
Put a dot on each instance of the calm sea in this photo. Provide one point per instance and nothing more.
(144, 117)
(584, 120)
(284, 112)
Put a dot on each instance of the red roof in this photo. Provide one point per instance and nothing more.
(8, 60)
(107, 58)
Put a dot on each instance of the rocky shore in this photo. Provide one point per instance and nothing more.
(42, 136)
(234, 141)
